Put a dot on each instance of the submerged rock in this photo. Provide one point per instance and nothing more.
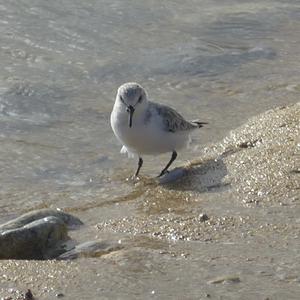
(91, 249)
(225, 279)
(40, 239)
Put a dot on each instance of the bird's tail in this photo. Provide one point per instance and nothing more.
(199, 124)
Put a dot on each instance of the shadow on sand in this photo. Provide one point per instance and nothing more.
(202, 176)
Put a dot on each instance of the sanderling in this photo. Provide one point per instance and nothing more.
(146, 127)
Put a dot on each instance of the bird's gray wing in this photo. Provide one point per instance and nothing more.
(172, 120)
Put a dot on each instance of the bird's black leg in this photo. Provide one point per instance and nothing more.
(173, 157)
(139, 167)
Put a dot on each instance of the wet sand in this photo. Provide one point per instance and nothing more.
(228, 230)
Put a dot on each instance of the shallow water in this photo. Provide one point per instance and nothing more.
(62, 61)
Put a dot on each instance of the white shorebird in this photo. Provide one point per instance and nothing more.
(145, 127)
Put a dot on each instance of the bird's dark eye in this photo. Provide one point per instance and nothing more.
(140, 99)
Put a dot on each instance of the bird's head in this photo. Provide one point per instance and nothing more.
(134, 99)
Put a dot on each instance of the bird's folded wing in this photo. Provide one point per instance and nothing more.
(172, 120)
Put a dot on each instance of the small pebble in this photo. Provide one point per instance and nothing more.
(225, 279)
(203, 217)
(28, 295)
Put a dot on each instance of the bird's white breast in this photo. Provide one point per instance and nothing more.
(145, 136)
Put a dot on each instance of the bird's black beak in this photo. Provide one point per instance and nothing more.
(130, 109)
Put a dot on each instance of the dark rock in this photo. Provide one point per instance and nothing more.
(59, 295)
(29, 217)
(40, 239)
